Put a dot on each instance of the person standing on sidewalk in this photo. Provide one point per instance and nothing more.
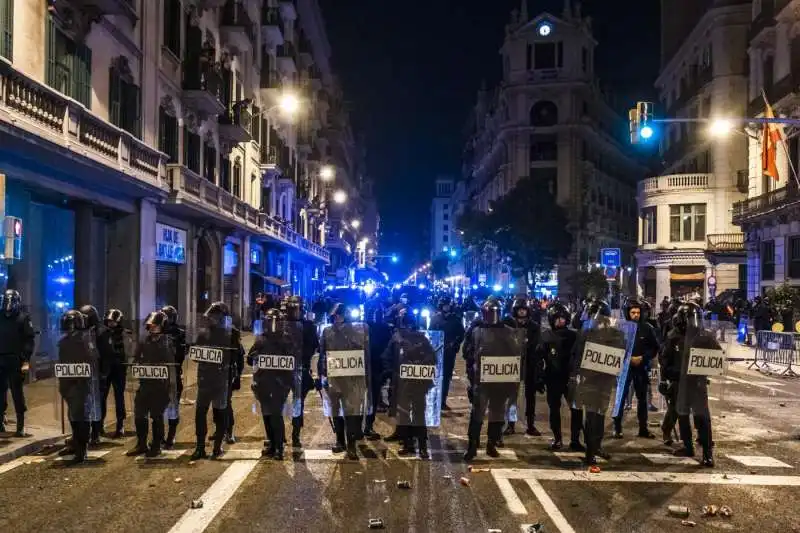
(452, 324)
(17, 338)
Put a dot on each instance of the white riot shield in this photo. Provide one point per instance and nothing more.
(417, 367)
(498, 375)
(78, 373)
(702, 360)
(276, 358)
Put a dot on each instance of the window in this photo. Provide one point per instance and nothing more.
(768, 67)
(445, 228)
(649, 225)
(124, 102)
(445, 238)
(445, 207)
(687, 222)
(794, 257)
(210, 163)
(544, 56)
(445, 216)
(192, 146)
(543, 148)
(69, 65)
(225, 174)
(543, 113)
(529, 57)
(768, 260)
(7, 29)
(237, 178)
(172, 26)
(168, 134)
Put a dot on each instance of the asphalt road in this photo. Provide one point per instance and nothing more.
(755, 418)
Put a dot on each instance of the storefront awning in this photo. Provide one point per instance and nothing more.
(700, 276)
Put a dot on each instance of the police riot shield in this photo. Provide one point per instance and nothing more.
(499, 353)
(211, 355)
(702, 359)
(417, 372)
(154, 370)
(276, 358)
(78, 373)
(604, 351)
(345, 364)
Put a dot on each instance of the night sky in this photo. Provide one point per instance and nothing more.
(411, 71)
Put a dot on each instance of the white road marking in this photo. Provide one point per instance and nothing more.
(11, 465)
(760, 386)
(647, 477)
(241, 455)
(667, 459)
(166, 455)
(515, 505)
(93, 455)
(759, 460)
(319, 455)
(215, 498)
(573, 457)
(559, 520)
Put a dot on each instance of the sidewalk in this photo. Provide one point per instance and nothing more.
(43, 420)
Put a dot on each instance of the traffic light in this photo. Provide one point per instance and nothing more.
(641, 119)
(12, 240)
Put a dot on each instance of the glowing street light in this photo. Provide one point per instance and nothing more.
(646, 132)
(720, 127)
(339, 196)
(327, 173)
(289, 104)
(395, 259)
(356, 223)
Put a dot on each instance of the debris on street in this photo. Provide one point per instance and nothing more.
(681, 511)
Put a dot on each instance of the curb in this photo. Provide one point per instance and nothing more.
(28, 449)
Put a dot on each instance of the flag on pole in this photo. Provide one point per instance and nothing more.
(771, 135)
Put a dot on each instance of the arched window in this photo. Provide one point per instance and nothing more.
(543, 114)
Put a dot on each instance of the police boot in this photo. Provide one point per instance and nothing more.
(531, 427)
(491, 448)
(120, 431)
(169, 442)
(81, 440)
(220, 425)
(2, 424)
(269, 445)
(94, 440)
(69, 443)
(510, 428)
(338, 428)
(141, 438)
(199, 451)
(407, 447)
(21, 426)
(352, 451)
(158, 436)
(297, 424)
(279, 432)
(422, 442)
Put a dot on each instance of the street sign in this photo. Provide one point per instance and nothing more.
(611, 273)
(611, 257)
(712, 281)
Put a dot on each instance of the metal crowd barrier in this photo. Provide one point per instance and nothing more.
(773, 348)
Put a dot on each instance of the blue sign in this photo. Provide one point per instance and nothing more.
(170, 244)
(255, 256)
(611, 257)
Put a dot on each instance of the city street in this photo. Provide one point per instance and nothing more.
(756, 476)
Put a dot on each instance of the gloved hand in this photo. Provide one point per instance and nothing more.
(664, 387)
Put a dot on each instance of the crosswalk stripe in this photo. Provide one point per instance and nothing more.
(559, 520)
(166, 455)
(93, 455)
(515, 505)
(679, 478)
(759, 460)
(666, 459)
(572, 457)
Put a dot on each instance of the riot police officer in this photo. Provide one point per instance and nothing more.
(669, 362)
(521, 318)
(492, 393)
(452, 324)
(555, 350)
(17, 338)
(310, 345)
(154, 365)
(178, 336)
(113, 368)
(214, 353)
(645, 349)
(380, 333)
(102, 337)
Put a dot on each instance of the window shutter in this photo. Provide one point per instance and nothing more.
(82, 75)
(7, 26)
(135, 101)
(50, 53)
(114, 97)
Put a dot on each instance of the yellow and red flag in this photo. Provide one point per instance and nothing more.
(771, 135)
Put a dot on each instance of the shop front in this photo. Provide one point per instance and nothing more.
(170, 261)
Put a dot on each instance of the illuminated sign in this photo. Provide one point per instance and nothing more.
(170, 244)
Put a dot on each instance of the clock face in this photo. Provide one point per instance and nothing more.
(545, 30)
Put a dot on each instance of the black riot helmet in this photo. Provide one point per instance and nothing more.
(156, 322)
(294, 308)
(406, 320)
(647, 310)
(632, 304)
(688, 315)
(339, 310)
(520, 303)
(11, 301)
(491, 311)
(113, 315)
(443, 301)
(597, 309)
(556, 311)
(72, 320)
(91, 314)
(172, 314)
(271, 319)
(694, 316)
(218, 314)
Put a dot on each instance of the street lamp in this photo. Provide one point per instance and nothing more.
(327, 173)
(356, 223)
(289, 104)
(339, 196)
(720, 127)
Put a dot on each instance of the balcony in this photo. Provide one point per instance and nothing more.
(76, 16)
(270, 86)
(271, 27)
(207, 4)
(41, 111)
(725, 242)
(236, 28)
(236, 125)
(698, 77)
(286, 55)
(202, 88)
(673, 183)
(765, 19)
(765, 205)
(188, 188)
